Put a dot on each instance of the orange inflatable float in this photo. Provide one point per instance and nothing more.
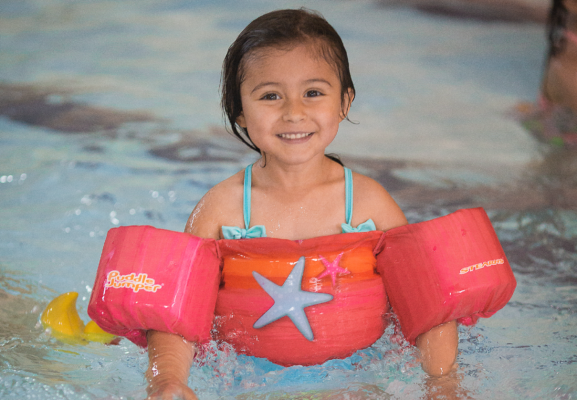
(305, 301)
(341, 266)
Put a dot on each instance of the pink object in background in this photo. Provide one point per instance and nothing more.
(448, 268)
(157, 279)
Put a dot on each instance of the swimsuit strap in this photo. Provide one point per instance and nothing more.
(246, 195)
(234, 232)
(348, 195)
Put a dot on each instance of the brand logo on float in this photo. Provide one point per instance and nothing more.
(484, 264)
(131, 281)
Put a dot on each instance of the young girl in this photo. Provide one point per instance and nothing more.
(559, 83)
(286, 87)
(554, 118)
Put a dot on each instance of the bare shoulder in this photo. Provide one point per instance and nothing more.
(371, 200)
(221, 205)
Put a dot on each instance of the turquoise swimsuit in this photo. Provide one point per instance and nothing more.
(259, 231)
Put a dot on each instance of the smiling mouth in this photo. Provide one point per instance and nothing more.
(294, 136)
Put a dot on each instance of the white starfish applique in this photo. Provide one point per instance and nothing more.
(290, 300)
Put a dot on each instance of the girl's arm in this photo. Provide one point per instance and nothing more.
(170, 356)
(169, 360)
(438, 348)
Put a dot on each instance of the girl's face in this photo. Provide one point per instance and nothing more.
(291, 102)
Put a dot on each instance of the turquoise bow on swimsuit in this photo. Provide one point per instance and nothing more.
(234, 232)
(367, 226)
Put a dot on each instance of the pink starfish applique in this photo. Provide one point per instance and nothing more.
(332, 268)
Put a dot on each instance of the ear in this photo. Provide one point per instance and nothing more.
(348, 98)
(240, 120)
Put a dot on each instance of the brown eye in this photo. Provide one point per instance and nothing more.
(270, 96)
(313, 93)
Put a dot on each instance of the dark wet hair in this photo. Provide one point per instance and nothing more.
(556, 25)
(279, 29)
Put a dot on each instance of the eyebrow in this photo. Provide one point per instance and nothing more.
(308, 81)
(262, 84)
(315, 80)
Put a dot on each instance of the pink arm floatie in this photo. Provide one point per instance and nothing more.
(156, 279)
(448, 268)
(433, 272)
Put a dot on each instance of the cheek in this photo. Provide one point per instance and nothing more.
(256, 120)
(335, 115)
(249, 117)
(257, 127)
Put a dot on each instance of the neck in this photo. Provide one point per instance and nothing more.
(292, 176)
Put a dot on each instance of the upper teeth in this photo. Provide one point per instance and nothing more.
(293, 135)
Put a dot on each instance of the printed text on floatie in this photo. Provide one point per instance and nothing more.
(131, 281)
(484, 264)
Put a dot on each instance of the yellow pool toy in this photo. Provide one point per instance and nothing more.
(61, 317)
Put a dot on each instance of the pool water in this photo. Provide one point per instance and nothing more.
(109, 116)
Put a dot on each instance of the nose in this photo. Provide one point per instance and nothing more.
(294, 110)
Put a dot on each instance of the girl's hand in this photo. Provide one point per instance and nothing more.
(170, 391)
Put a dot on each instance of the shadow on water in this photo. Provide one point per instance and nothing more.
(550, 183)
(191, 148)
(479, 10)
(51, 108)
